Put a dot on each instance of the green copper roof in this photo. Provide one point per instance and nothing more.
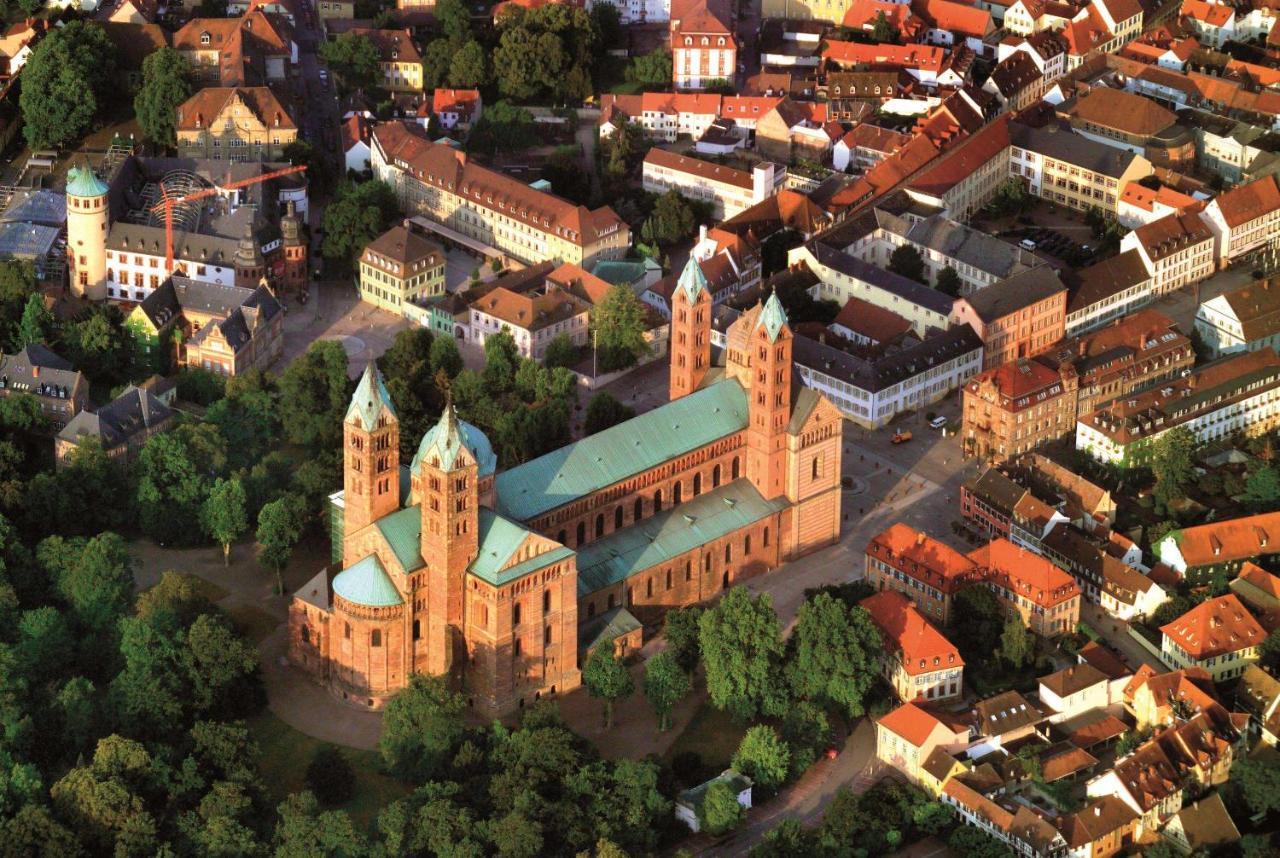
(773, 317)
(403, 530)
(83, 182)
(608, 457)
(669, 534)
(370, 396)
(499, 539)
(450, 435)
(367, 583)
(692, 280)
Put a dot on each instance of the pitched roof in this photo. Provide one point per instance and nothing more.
(978, 804)
(1257, 587)
(1072, 680)
(1016, 381)
(1015, 73)
(36, 369)
(1123, 111)
(499, 539)
(872, 321)
(1213, 14)
(1064, 762)
(1016, 293)
(1249, 202)
(1005, 713)
(1074, 149)
(1172, 234)
(923, 648)
(394, 46)
(1029, 575)
(1215, 627)
(1103, 659)
(1103, 280)
(911, 722)
(924, 57)
(958, 18)
(1257, 308)
(964, 159)
(708, 171)
(532, 310)
(133, 411)
(1206, 823)
(203, 108)
(1148, 775)
(923, 557)
(460, 101)
(1228, 540)
(1096, 820)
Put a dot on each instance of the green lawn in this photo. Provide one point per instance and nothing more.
(287, 752)
(712, 735)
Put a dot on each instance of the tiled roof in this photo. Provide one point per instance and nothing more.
(872, 321)
(874, 137)
(1215, 627)
(1140, 196)
(404, 247)
(923, 648)
(1005, 713)
(1257, 308)
(911, 722)
(923, 557)
(1093, 728)
(1072, 680)
(1016, 293)
(1123, 111)
(531, 311)
(1017, 381)
(924, 57)
(1213, 14)
(1257, 587)
(203, 109)
(1029, 575)
(1102, 280)
(1103, 659)
(1147, 775)
(957, 18)
(1065, 762)
(133, 411)
(1249, 202)
(1171, 234)
(356, 129)
(394, 46)
(461, 101)
(1015, 73)
(706, 170)
(1206, 823)
(978, 804)
(1099, 818)
(1229, 540)
(608, 457)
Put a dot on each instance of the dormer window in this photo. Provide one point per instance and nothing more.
(688, 41)
(721, 42)
(204, 38)
(705, 41)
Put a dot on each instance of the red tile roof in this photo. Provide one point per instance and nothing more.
(1140, 196)
(705, 170)
(1104, 659)
(1214, 14)
(1249, 202)
(923, 57)
(1029, 575)
(922, 557)
(905, 630)
(203, 108)
(460, 101)
(965, 159)
(959, 18)
(1215, 627)
(1229, 540)
(912, 723)
(871, 321)
(1256, 576)
(1123, 111)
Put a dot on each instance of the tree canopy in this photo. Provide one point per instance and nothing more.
(166, 84)
(833, 652)
(65, 83)
(358, 214)
(742, 649)
(618, 323)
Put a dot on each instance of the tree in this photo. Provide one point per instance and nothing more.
(604, 411)
(304, 831)
(977, 623)
(420, 728)
(1011, 198)
(178, 594)
(330, 776)
(1017, 644)
(1255, 782)
(173, 485)
(652, 69)
(618, 324)
(354, 58)
(65, 82)
(504, 127)
(719, 811)
(665, 685)
(607, 678)
(742, 649)
(680, 627)
(37, 322)
(406, 369)
(280, 525)
(453, 18)
(672, 220)
(832, 654)
(166, 84)
(1262, 488)
(314, 394)
(763, 757)
(469, 66)
(560, 352)
(359, 214)
(95, 578)
(1173, 464)
(226, 518)
(445, 357)
(948, 282)
(975, 843)
(906, 261)
(883, 31)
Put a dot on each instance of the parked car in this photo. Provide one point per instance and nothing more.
(1027, 244)
(938, 422)
(901, 437)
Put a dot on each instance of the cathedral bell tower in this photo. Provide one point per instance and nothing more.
(446, 479)
(371, 457)
(690, 331)
(769, 409)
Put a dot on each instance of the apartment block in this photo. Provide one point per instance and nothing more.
(728, 190)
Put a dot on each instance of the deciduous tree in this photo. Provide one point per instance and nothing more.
(763, 757)
(948, 282)
(314, 394)
(604, 411)
(680, 627)
(280, 525)
(1017, 644)
(354, 58)
(420, 728)
(359, 214)
(906, 260)
(741, 644)
(65, 82)
(1173, 464)
(226, 516)
(618, 324)
(606, 678)
(832, 654)
(166, 84)
(665, 685)
(37, 322)
(720, 811)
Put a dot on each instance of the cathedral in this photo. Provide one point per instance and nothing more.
(501, 579)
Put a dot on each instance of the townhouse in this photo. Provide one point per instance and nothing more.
(1244, 219)
(1016, 407)
(489, 212)
(989, 499)
(966, 178)
(120, 428)
(1047, 49)
(1029, 587)
(918, 662)
(1218, 635)
(1198, 553)
(1019, 317)
(456, 108)
(926, 571)
(1147, 781)
(908, 735)
(704, 48)
(797, 130)
(398, 58)
(1106, 292)
(533, 317)
(665, 116)
(924, 63)
(252, 50)
(865, 146)
(1073, 691)
(1239, 393)
(61, 390)
(1072, 170)
(1016, 81)
(1245, 319)
(401, 266)
(728, 190)
(1177, 249)
(234, 124)
(1140, 204)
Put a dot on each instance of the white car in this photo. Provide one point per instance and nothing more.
(938, 422)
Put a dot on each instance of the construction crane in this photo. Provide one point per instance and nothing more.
(168, 203)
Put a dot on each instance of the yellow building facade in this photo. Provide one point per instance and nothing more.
(401, 267)
(235, 124)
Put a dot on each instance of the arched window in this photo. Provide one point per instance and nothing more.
(657, 501)
(617, 517)
(697, 484)
(375, 637)
(817, 467)
(561, 537)
(515, 614)
(611, 601)
(715, 477)
(582, 532)
(668, 577)
(591, 609)
(706, 562)
(546, 601)
(688, 570)
(728, 553)
(648, 588)
(766, 537)
(733, 469)
(599, 525)
(638, 513)
(677, 494)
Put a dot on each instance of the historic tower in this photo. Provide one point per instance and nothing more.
(446, 482)
(690, 331)
(371, 458)
(250, 265)
(769, 408)
(295, 250)
(87, 233)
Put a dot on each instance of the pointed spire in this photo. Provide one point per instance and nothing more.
(692, 281)
(370, 397)
(773, 317)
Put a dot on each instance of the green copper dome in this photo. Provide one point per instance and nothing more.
(692, 280)
(449, 436)
(83, 182)
(773, 317)
(368, 584)
(370, 396)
